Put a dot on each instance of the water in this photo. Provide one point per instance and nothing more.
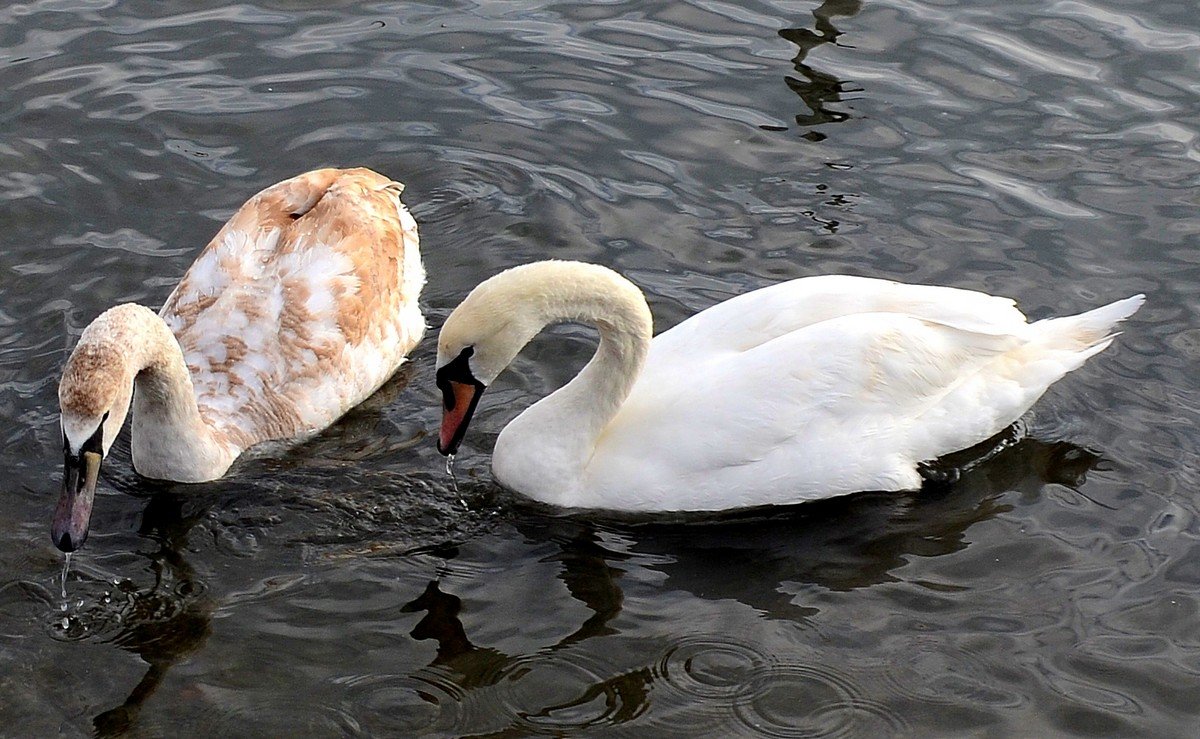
(66, 570)
(454, 480)
(1047, 152)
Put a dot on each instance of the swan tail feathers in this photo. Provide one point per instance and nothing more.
(1087, 333)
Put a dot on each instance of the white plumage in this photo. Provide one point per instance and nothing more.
(301, 306)
(803, 390)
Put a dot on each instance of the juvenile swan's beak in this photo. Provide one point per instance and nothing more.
(70, 527)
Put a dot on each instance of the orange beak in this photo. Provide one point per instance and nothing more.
(457, 408)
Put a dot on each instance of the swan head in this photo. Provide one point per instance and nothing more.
(479, 339)
(490, 327)
(503, 313)
(94, 396)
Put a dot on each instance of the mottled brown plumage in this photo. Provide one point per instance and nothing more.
(301, 306)
(315, 269)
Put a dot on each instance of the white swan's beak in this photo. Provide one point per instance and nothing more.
(460, 394)
(458, 405)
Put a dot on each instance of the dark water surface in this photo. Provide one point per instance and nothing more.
(1046, 151)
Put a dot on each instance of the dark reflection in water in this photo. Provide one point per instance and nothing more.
(816, 88)
(841, 545)
(162, 623)
(161, 639)
(624, 696)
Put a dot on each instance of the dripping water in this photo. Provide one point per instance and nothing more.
(454, 480)
(65, 571)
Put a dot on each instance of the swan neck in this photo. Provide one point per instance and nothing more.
(170, 437)
(618, 311)
(565, 426)
(606, 381)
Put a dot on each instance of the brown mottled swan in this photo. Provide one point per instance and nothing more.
(301, 306)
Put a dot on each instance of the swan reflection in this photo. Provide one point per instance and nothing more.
(765, 560)
(162, 623)
(817, 88)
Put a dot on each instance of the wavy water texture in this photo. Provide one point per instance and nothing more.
(1049, 152)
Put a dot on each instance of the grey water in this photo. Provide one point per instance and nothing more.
(1044, 151)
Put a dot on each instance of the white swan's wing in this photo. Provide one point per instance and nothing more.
(757, 317)
(846, 404)
(303, 303)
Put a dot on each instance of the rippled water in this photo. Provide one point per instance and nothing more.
(1046, 151)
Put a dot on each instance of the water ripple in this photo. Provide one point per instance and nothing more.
(710, 667)
(813, 701)
(400, 705)
(704, 148)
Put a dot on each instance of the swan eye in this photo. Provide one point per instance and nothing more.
(457, 370)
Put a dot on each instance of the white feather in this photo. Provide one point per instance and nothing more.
(808, 389)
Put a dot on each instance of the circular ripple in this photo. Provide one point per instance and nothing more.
(561, 691)
(402, 705)
(710, 667)
(811, 700)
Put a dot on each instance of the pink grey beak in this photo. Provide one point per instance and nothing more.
(74, 511)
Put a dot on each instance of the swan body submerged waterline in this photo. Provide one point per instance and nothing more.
(301, 306)
(803, 390)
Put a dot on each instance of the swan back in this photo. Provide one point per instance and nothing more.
(301, 305)
(750, 319)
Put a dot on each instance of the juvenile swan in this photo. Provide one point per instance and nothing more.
(803, 390)
(301, 306)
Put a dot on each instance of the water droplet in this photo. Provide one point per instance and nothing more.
(66, 568)
(454, 480)
(66, 623)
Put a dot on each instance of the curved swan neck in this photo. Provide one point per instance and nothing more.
(536, 295)
(619, 312)
(171, 439)
(565, 426)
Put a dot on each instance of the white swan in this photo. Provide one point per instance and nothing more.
(803, 390)
(301, 306)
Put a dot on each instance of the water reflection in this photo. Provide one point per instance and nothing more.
(817, 88)
(584, 697)
(162, 623)
(857, 541)
(769, 561)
